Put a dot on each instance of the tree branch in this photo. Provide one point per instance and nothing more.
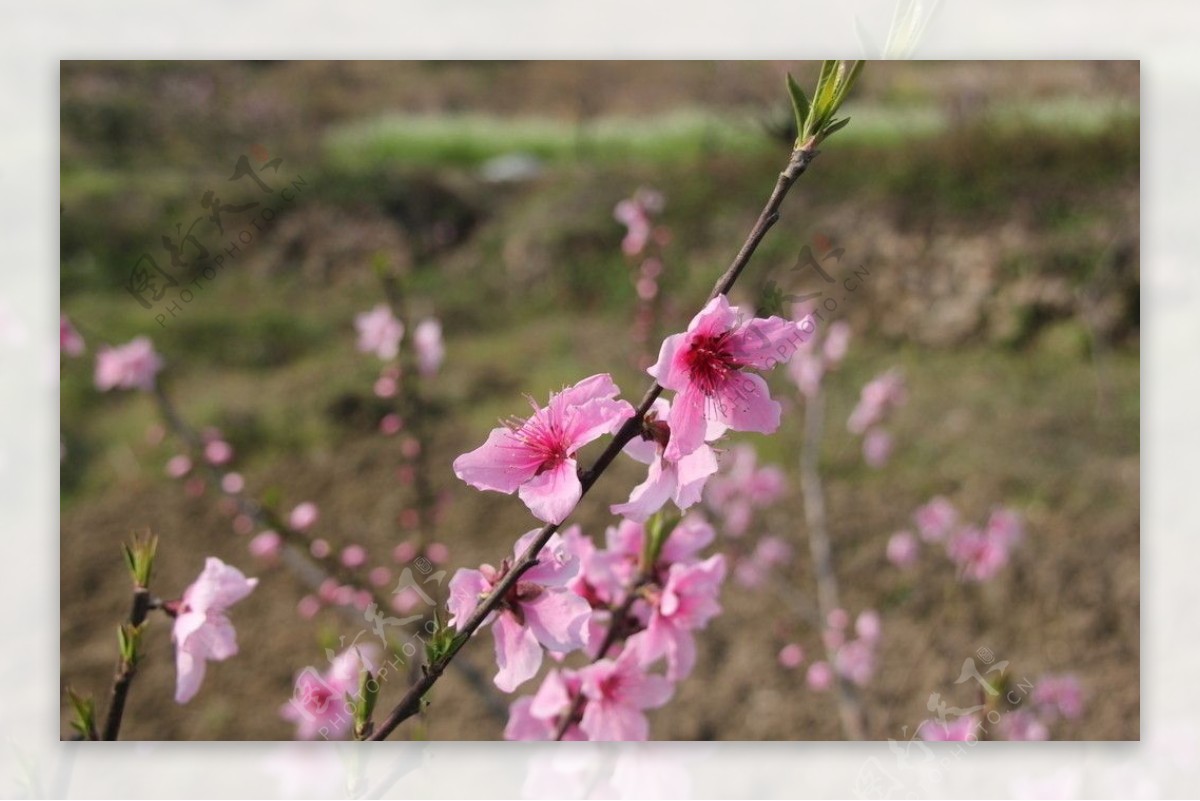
(410, 703)
(849, 706)
(126, 669)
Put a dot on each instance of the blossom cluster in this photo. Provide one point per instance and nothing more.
(978, 553)
(663, 604)
(637, 601)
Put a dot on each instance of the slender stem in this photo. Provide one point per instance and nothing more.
(126, 669)
(410, 703)
(849, 707)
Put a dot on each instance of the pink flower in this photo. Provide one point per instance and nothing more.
(977, 556)
(706, 366)
(855, 661)
(879, 396)
(202, 630)
(791, 656)
(130, 366)
(379, 332)
(1005, 527)
(819, 677)
(681, 481)
(837, 342)
(877, 447)
(538, 717)
(354, 556)
(956, 731)
(319, 706)
(179, 466)
(936, 519)
(536, 458)
(686, 602)
(303, 516)
(266, 546)
(218, 452)
(427, 339)
(70, 341)
(620, 562)
(903, 549)
(635, 214)
(1059, 695)
(759, 486)
(233, 483)
(618, 691)
(868, 626)
(539, 609)
(1022, 725)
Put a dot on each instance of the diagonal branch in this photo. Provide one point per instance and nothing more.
(410, 704)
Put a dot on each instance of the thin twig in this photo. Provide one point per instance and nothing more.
(410, 704)
(849, 707)
(126, 669)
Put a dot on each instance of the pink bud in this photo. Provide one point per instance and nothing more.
(868, 625)
(404, 552)
(903, 549)
(319, 548)
(179, 466)
(819, 676)
(838, 618)
(791, 656)
(266, 546)
(437, 553)
(354, 556)
(327, 591)
(390, 424)
(385, 387)
(233, 483)
(303, 516)
(877, 447)
(404, 600)
(380, 576)
(218, 452)
(308, 607)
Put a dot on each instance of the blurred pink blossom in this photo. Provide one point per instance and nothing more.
(427, 339)
(354, 556)
(903, 549)
(266, 546)
(1059, 695)
(133, 365)
(791, 656)
(877, 447)
(179, 466)
(70, 341)
(379, 332)
(303, 516)
(961, 729)
(936, 519)
(819, 676)
(218, 452)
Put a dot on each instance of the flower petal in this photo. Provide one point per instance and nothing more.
(745, 405)
(517, 653)
(502, 463)
(552, 495)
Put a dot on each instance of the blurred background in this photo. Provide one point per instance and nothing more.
(992, 208)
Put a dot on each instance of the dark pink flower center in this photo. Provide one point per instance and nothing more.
(544, 435)
(709, 362)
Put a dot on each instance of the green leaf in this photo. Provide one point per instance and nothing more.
(835, 126)
(83, 714)
(800, 105)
